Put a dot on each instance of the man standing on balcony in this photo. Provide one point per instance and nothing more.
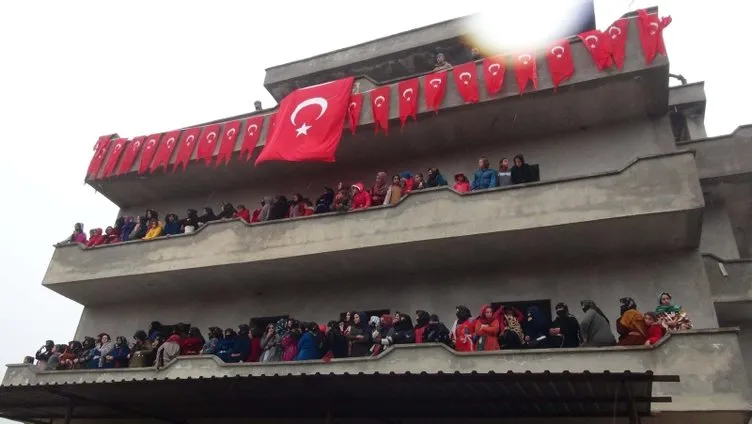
(484, 177)
(441, 63)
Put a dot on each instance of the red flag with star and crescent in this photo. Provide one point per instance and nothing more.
(164, 152)
(560, 62)
(380, 109)
(617, 33)
(227, 145)
(466, 78)
(207, 143)
(100, 151)
(149, 150)
(599, 46)
(309, 123)
(252, 135)
(526, 70)
(408, 100)
(131, 152)
(493, 73)
(353, 111)
(434, 85)
(651, 34)
(188, 142)
(117, 150)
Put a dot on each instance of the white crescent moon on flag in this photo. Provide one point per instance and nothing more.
(525, 58)
(150, 144)
(405, 93)
(353, 105)
(211, 137)
(190, 139)
(655, 26)
(170, 142)
(136, 145)
(614, 31)
(559, 49)
(469, 76)
(230, 132)
(251, 129)
(319, 101)
(591, 37)
(438, 82)
(376, 101)
(494, 68)
(118, 146)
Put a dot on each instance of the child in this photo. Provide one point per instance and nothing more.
(655, 329)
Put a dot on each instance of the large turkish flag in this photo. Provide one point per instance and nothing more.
(618, 34)
(150, 149)
(526, 69)
(188, 142)
(207, 143)
(134, 147)
(229, 135)
(466, 78)
(112, 160)
(309, 123)
(380, 109)
(560, 63)
(408, 100)
(493, 73)
(353, 111)
(651, 34)
(164, 152)
(100, 150)
(434, 85)
(599, 46)
(252, 134)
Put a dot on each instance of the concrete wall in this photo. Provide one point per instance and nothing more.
(602, 280)
(724, 158)
(717, 234)
(559, 155)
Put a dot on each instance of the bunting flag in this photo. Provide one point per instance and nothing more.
(150, 149)
(560, 62)
(227, 145)
(599, 46)
(353, 111)
(252, 135)
(408, 100)
(466, 78)
(493, 73)
(112, 160)
(617, 32)
(651, 34)
(207, 143)
(100, 151)
(188, 142)
(131, 152)
(380, 109)
(526, 70)
(164, 152)
(434, 85)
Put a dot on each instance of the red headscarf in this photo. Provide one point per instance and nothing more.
(482, 317)
(388, 320)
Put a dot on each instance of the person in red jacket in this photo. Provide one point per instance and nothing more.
(96, 238)
(462, 330)
(421, 322)
(487, 330)
(461, 184)
(193, 344)
(360, 197)
(111, 236)
(242, 213)
(655, 329)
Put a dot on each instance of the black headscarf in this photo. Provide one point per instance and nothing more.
(208, 216)
(463, 314)
(626, 303)
(191, 219)
(589, 304)
(279, 208)
(227, 211)
(324, 202)
(423, 318)
(143, 227)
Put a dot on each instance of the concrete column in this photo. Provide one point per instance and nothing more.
(696, 126)
(717, 233)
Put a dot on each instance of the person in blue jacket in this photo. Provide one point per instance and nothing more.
(307, 346)
(484, 177)
(241, 349)
(226, 345)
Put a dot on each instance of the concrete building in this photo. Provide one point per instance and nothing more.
(634, 199)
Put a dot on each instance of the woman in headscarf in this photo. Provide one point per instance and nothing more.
(140, 229)
(169, 350)
(359, 336)
(142, 352)
(211, 345)
(341, 198)
(394, 193)
(386, 327)
(119, 224)
(270, 343)
(118, 357)
(595, 327)
(435, 179)
(172, 225)
(111, 236)
(290, 339)
(421, 322)
(226, 345)
(536, 329)
(521, 172)
(96, 238)
(565, 327)
(379, 189)
(511, 334)
(403, 333)
(335, 342)
(190, 222)
(631, 324)
(406, 178)
(194, 343)
(128, 226)
(68, 358)
(227, 211)
(155, 230)
(463, 330)
(324, 202)
(361, 199)
(207, 217)
(78, 235)
(279, 208)
(308, 345)
(105, 347)
(264, 210)
(242, 347)
(88, 351)
(671, 316)
(487, 330)
(436, 331)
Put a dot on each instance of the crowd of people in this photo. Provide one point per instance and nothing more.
(342, 199)
(357, 335)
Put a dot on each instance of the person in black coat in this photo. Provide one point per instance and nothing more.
(566, 327)
(521, 172)
(404, 332)
(334, 341)
(279, 209)
(208, 216)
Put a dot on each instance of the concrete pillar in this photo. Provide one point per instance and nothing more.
(717, 233)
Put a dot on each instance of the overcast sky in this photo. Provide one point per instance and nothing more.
(71, 71)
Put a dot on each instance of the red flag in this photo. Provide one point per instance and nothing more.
(618, 34)
(560, 63)
(229, 135)
(353, 110)
(150, 149)
(112, 160)
(466, 78)
(493, 73)
(164, 152)
(435, 87)
(309, 123)
(252, 135)
(207, 143)
(526, 70)
(599, 46)
(100, 150)
(188, 142)
(651, 34)
(134, 147)
(408, 100)
(380, 109)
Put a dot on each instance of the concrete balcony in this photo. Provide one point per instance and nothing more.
(708, 364)
(591, 99)
(724, 159)
(731, 285)
(653, 204)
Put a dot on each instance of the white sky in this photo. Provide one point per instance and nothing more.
(73, 70)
